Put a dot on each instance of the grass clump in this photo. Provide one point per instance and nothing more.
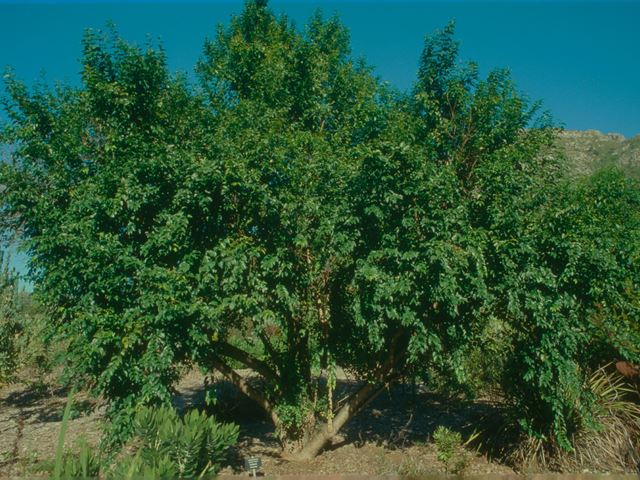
(84, 464)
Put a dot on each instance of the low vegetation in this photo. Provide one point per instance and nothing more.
(291, 215)
(609, 443)
(450, 450)
(163, 445)
(9, 325)
(22, 329)
(191, 447)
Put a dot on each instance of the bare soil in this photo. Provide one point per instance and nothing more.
(30, 420)
(391, 437)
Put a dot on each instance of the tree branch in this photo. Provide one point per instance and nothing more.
(268, 346)
(248, 360)
(255, 395)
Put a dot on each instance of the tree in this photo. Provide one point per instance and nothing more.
(166, 223)
(296, 115)
(291, 214)
(100, 188)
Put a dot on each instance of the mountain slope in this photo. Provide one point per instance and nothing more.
(590, 150)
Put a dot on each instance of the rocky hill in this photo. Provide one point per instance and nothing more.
(590, 150)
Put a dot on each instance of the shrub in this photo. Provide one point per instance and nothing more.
(9, 325)
(607, 444)
(573, 302)
(450, 449)
(170, 446)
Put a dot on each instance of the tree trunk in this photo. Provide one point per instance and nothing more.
(320, 437)
(359, 400)
(355, 404)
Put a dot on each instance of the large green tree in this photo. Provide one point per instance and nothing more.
(93, 184)
(166, 224)
(292, 215)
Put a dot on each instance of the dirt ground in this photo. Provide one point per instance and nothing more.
(391, 437)
(30, 420)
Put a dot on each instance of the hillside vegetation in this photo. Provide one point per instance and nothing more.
(591, 150)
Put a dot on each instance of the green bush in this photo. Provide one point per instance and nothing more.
(576, 304)
(607, 444)
(167, 446)
(450, 449)
(170, 446)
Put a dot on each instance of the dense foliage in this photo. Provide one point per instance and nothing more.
(92, 185)
(573, 299)
(292, 214)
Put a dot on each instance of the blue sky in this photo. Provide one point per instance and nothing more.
(580, 58)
